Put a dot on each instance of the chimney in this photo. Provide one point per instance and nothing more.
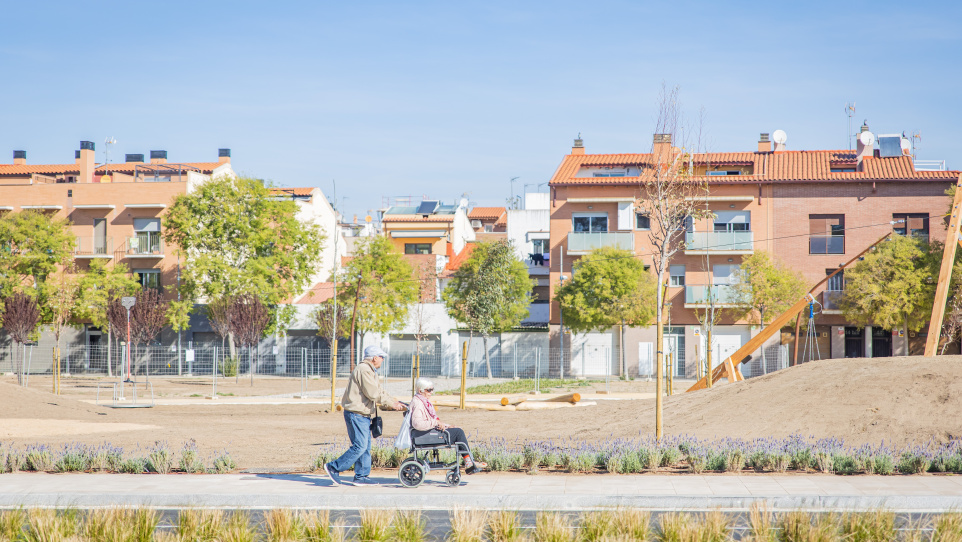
(134, 158)
(764, 144)
(661, 145)
(76, 157)
(579, 146)
(86, 162)
(158, 157)
(865, 144)
(355, 219)
(223, 156)
(19, 158)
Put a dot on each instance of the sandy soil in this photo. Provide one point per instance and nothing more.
(898, 400)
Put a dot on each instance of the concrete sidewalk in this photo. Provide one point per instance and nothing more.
(488, 490)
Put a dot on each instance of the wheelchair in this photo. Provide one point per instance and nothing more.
(426, 455)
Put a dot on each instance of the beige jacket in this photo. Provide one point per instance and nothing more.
(363, 390)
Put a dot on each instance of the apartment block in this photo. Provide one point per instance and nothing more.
(813, 210)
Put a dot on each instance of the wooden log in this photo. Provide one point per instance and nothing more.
(513, 400)
(567, 398)
(456, 403)
(547, 405)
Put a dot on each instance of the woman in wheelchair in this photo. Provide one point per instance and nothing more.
(424, 419)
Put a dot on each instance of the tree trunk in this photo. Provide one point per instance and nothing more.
(487, 358)
(624, 362)
(659, 355)
(110, 337)
(357, 296)
(905, 336)
(20, 366)
(708, 356)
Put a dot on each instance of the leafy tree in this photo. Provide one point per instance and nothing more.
(608, 287)
(63, 308)
(893, 286)
(21, 316)
(765, 286)
(325, 321)
(147, 318)
(33, 246)
(378, 286)
(237, 239)
(98, 286)
(490, 292)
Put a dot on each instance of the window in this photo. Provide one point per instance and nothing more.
(148, 278)
(590, 222)
(677, 275)
(836, 283)
(724, 274)
(417, 248)
(915, 224)
(842, 169)
(489, 228)
(723, 173)
(733, 221)
(540, 246)
(146, 238)
(642, 221)
(827, 234)
(615, 173)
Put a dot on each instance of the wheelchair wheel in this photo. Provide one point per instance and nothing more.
(411, 473)
(454, 478)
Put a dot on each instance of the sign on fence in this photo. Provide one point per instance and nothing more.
(189, 354)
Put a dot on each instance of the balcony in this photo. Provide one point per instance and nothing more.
(719, 242)
(93, 247)
(144, 246)
(697, 295)
(585, 242)
(830, 301)
(826, 244)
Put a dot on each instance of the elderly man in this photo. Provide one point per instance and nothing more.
(363, 391)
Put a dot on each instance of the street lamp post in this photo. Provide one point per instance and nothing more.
(128, 302)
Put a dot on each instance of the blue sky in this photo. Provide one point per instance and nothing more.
(446, 98)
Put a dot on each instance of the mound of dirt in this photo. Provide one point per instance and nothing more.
(25, 403)
(899, 400)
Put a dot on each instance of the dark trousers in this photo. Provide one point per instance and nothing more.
(455, 434)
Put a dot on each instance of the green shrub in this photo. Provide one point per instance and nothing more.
(844, 464)
(73, 459)
(133, 465)
(913, 463)
(160, 459)
(224, 464)
(229, 366)
(190, 461)
(39, 459)
(883, 463)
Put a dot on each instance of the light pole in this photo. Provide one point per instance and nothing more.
(128, 302)
(513, 203)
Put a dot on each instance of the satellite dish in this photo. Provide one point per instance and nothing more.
(867, 138)
(780, 137)
(906, 145)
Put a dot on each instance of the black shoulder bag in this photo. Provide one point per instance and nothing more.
(377, 424)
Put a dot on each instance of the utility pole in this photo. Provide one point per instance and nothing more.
(561, 314)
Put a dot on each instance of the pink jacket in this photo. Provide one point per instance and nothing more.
(423, 416)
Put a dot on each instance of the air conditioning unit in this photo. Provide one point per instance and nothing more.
(475, 224)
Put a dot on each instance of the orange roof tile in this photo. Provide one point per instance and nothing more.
(43, 169)
(455, 262)
(296, 191)
(418, 218)
(480, 213)
(128, 167)
(319, 293)
(786, 166)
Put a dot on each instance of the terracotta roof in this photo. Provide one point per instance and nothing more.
(786, 166)
(128, 167)
(418, 218)
(43, 169)
(296, 191)
(502, 220)
(455, 262)
(319, 293)
(480, 213)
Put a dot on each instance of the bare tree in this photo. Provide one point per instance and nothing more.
(219, 312)
(952, 327)
(249, 319)
(63, 307)
(427, 275)
(670, 197)
(21, 315)
(147, 318)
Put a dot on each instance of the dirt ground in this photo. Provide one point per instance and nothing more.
(896, 400)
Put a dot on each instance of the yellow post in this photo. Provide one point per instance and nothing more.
(333, 372)
(464, 372)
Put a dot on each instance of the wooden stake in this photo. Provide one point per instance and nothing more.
(569, 398)
(505, 401)
(945, 273)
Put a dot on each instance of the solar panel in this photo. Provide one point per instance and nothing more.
(890, 146)
(427, 207)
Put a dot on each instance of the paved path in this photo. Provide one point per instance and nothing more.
(923, 493)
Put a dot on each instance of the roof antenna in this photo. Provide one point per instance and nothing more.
(849, 111)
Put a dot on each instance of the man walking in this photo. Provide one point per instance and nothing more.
(363, 391)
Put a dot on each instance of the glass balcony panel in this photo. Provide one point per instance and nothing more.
(720, 241)
(698, 294)
(586, 242)
(145, 243)
(830, 300)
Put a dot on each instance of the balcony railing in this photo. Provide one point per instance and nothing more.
(723, 294)
(830, 300)
(720, 241)
(826, 244)
(94, 247)
(585, 242)
(144, 246)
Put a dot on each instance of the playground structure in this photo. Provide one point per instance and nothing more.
(728, 368)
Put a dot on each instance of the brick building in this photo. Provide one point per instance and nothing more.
(813, 210)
